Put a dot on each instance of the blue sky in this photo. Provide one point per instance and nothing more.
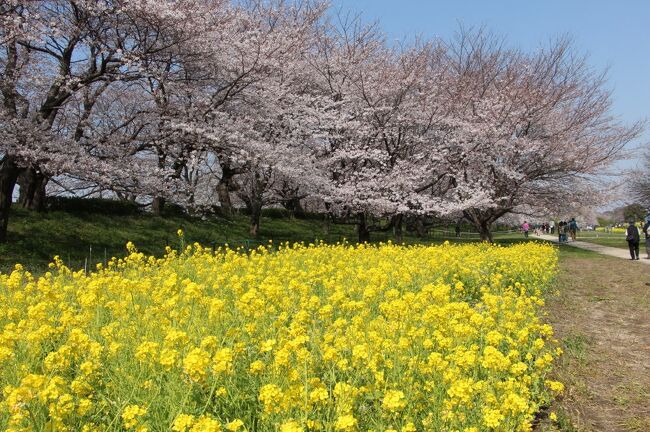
(615, 34)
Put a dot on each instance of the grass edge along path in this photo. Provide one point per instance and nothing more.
(598, 248)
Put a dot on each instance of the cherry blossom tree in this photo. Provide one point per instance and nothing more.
(254, 114)
(56, 52)
(531, 130)
(384, 152)
(282, 140)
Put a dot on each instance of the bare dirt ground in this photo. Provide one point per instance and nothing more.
(601, 315)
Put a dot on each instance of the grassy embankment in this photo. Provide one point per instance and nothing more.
(94, 235)
(90, 231)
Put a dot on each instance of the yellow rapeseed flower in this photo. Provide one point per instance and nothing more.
(298, 337)
(131, 415)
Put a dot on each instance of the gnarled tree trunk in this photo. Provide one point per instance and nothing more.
(255, 200)
(225, 203)
(8, 176)
(294, 206)
(256, 214)
(482, 221)
(223, 192)
(32, 189)
(485, 231)
(420, 227)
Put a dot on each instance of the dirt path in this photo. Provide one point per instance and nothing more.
(602, 317)
(603, 250)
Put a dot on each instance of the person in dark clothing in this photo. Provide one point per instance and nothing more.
(458, 229)
(573, 229)
(563, 231)
(646, 232)
(632, 237)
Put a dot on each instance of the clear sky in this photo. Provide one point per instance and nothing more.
(615, 34)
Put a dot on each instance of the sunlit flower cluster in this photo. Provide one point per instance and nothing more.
(283, 338)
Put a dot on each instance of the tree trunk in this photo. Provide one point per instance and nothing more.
(397, 228)
(326, 221)
(256, 214)
(225, 203)
(223, 192)
(157, 205)
(32, 189)
(420, 228)
(294, 206)
(363, 229)
(326, 225)
(482, 222)
(8, 178)
(485, 231)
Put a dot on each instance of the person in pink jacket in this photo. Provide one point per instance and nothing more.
(525, 227)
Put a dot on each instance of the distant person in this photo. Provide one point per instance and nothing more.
(565, 231)
(551, 224)
(573, 229)
(525, 227)
(457, 230)
(632, 237)
(646, 232)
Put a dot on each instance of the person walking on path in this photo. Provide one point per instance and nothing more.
(646, 232)
(632, 237)
(565, 232)
(525, 227)
(573, 229)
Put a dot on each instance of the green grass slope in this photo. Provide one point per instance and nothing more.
(85, 232)
(91, 236)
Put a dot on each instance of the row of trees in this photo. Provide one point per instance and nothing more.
(199, 103)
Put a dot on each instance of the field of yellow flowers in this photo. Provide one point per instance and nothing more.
(283, 338)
